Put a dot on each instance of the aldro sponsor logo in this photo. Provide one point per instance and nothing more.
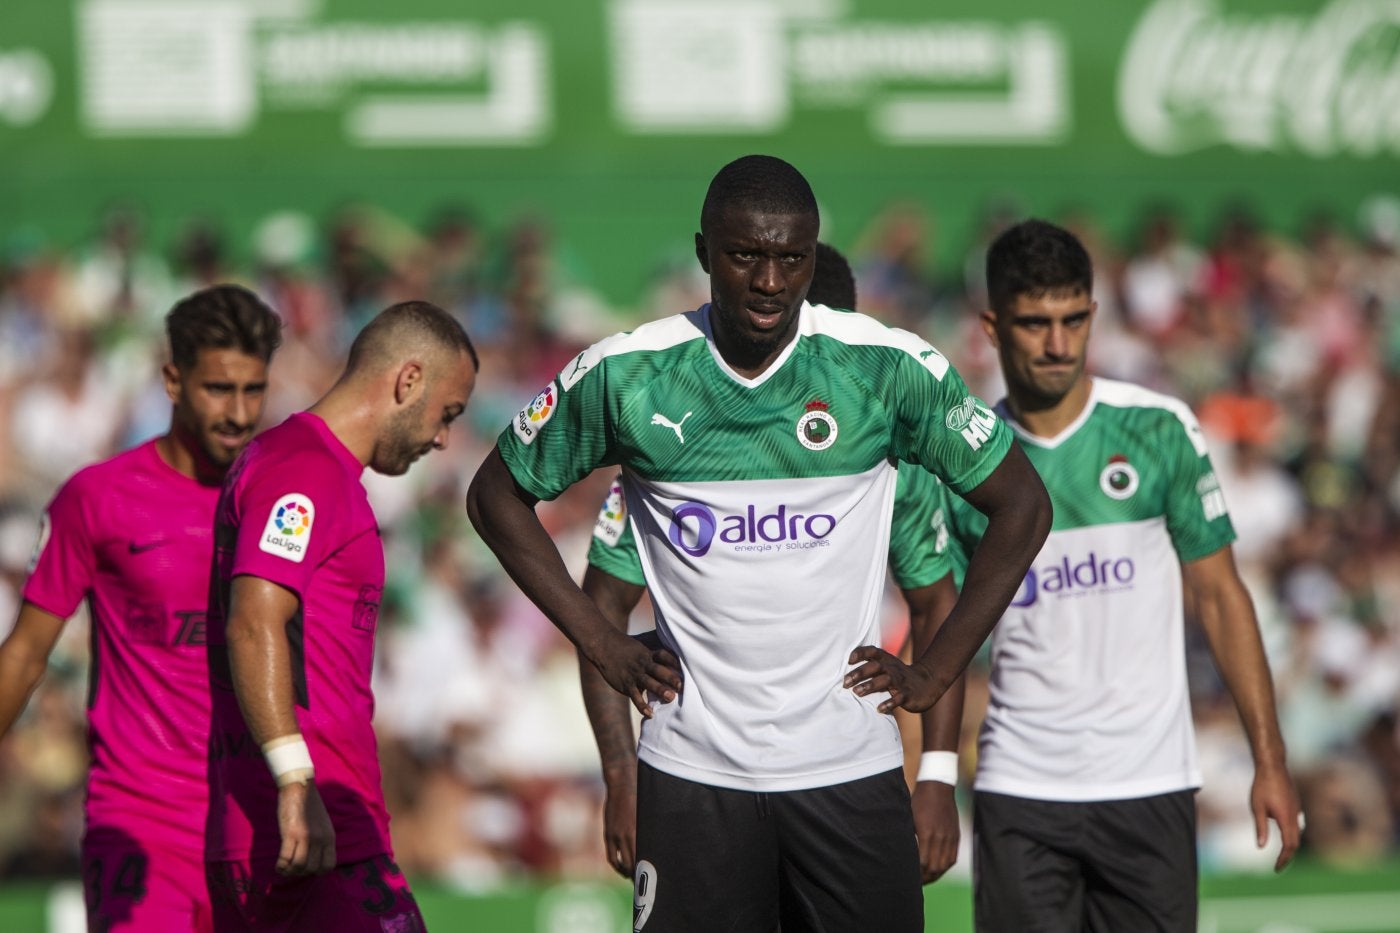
(1088, 576)
(536, 415)
(1119, 478)
(694, 528)
(816, 430)
(972, 420)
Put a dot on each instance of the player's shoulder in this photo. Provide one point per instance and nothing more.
(1149, 409)
(292, 450)
(832, 327)
(113, 473)
(652, 345)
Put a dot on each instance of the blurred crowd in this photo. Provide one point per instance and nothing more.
(1287, 347)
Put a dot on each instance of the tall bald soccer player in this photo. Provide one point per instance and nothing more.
(757, 437)
(133, 537)
(298, 831)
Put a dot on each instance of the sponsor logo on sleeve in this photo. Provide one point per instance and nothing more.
(612, 517)
(45, 528)
(1212, 497)
(288, 530)
(973, 420)
(1119, 478)
(536, 415)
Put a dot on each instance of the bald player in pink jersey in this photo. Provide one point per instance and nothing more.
(133, 537)
(298, 833)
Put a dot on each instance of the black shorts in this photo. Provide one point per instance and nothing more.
(838, 859)
(1111, 865)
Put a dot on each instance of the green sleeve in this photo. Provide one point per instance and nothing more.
(918, 534)
(563, 433)
(1197, 518)
(613, 549)
(940, 424)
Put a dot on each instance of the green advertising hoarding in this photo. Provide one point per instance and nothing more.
(608, 117)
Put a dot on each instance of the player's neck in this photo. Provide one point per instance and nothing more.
(352, 416)
(183, 454)
(1048, 419)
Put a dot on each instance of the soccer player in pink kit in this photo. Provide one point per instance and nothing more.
(298, 832)
(133, 536)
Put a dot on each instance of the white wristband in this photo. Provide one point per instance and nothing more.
(289, 759)
(939, 766)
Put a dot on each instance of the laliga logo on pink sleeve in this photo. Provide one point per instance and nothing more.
(288, 530)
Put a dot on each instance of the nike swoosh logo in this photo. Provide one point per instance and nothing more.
(144, 546)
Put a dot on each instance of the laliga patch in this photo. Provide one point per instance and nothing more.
(288, 530)
(535, 415)
(45, 528)
(612, 518)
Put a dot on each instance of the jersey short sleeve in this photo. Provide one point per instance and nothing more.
(1197, 518)
(940, 424)
(613, 548)
(64, 560)
(290, 523)
(919, 534)
(565, 430)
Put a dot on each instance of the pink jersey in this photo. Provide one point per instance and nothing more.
(293, 511)
(134, 537)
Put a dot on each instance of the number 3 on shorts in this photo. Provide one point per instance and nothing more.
(643, 894)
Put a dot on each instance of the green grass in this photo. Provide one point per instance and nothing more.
(1307, 898)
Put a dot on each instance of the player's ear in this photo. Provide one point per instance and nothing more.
(409, 382)
(989, 327)
(171, 377)
(701, 253)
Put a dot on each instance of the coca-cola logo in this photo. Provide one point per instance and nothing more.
(1194, 76)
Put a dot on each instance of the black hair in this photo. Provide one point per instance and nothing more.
(1036, 258)
(761, 183)
(405, 321)
(222, 317)
(833, 284)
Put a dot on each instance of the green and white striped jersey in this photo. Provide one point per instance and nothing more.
(1088, 694)
(761, 509)
(918, 534)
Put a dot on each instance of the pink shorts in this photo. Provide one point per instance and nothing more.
(142, 886)
(371, 896)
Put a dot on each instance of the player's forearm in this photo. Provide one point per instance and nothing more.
(610, 715)
(24, 657)
(609, 712)
(942, 722)
(509, 526)
(1014, 535)
(20, 672)
(260, 664)
(1227, 617)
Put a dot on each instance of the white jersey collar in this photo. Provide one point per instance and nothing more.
(804, 321)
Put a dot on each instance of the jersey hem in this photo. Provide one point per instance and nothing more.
(774, 783)
(1081, 792)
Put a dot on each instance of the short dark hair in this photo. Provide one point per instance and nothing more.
(833, 283)
(1036, 258)
(222, 317)
(760, 183)
(405, 322)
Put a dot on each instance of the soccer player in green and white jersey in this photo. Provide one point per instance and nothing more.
(1083, 813)
(758, 436)
(920, 566)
